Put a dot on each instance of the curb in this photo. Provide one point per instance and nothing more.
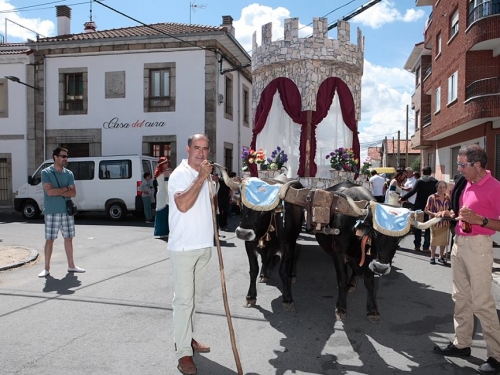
(33, 254)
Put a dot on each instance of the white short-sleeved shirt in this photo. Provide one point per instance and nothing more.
(193, 229)
(410, 183)
(377, 183)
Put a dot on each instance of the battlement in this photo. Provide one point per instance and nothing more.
(309, 61)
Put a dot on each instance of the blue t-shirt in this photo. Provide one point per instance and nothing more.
(56, 204)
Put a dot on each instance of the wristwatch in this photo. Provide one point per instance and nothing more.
(485, 222)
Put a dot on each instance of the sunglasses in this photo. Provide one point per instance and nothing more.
(463, 165)
(63, 156)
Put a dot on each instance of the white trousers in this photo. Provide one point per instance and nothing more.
(189, 269)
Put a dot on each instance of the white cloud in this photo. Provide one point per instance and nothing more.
(385, 92)
(254, 16)
(386, 12)
(17, 33)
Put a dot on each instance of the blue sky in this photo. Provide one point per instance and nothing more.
(391, 29)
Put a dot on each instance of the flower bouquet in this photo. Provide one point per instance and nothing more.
(343, 159)
(277, 160)
(249, 156)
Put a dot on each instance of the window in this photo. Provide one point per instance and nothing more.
(417, 76)
(437, 100)
(228, 94)
(454, 24)
(73, 91)
(82, 170)
(159, 149)
(417, 120)
(159, 85)
(3, 98)
(115, 169)
(246, 106)
(438, 45)
(228, 156)
(159, 90)
(454, 155)
(452, 87)
(77, 150)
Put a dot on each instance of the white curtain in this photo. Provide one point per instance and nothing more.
(281, 131)
(331, 134)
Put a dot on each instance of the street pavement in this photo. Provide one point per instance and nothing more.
(117, 317)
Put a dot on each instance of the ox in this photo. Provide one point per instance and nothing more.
(342, 228)
(271, 234)
(358, 245)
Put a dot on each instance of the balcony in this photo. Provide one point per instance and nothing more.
(483, 87)
(427, 72)
(422, 3)
(427, 120)
(486, 9)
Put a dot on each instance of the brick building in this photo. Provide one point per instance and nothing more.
(457, 83)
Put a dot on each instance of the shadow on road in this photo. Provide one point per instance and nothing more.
(62, 286)
(412, 313)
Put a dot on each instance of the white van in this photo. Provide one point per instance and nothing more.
(103, 183)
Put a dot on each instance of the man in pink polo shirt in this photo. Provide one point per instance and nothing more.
(475, 199)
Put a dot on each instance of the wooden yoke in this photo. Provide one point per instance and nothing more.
(321, 205)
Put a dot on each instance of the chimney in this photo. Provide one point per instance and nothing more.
(63, 13)
(89, 27)
(227, 22)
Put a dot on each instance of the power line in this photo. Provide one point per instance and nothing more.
(214, 50)
(34, 7)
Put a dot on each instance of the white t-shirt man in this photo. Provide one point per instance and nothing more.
(409, 183)
(377, 185)
(180, 237)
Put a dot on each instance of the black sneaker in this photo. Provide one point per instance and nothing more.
(491, 366)
(442, 261)
(452, 351)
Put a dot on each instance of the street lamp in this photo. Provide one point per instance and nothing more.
(15, 79)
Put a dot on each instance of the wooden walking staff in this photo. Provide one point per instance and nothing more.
(223, 279)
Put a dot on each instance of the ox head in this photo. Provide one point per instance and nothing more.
(380, 231)
(389, 226)
(256, 221)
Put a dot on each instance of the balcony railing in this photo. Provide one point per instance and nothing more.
(427, 119)
(488, 8)
(483, 87)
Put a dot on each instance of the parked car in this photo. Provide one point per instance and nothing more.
(103, 183)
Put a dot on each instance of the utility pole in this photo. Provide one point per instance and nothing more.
(407, 161)
(399, 149)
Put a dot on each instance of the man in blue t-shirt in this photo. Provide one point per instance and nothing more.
(58, 185)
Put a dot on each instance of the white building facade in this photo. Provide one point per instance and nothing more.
(15, 137)
(137, 90)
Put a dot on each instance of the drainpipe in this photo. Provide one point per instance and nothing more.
(239, 121)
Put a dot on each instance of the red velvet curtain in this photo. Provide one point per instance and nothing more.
(292, 103)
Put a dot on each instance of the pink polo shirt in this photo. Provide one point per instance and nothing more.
(484, 199)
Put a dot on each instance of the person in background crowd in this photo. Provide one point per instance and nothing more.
(438, 202)
(395, 189)
(408, 185)
(475, 204)
(58, 184)
(146, 193)
(377, 184)
(190, 244)
(162, 174)
(223, 198)
(425, 186)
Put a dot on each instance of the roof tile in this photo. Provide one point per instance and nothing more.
(134, 31)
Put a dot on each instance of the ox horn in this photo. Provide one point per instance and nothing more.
(284, 188)
(361, 212)
(426, 225)
(233, 185)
